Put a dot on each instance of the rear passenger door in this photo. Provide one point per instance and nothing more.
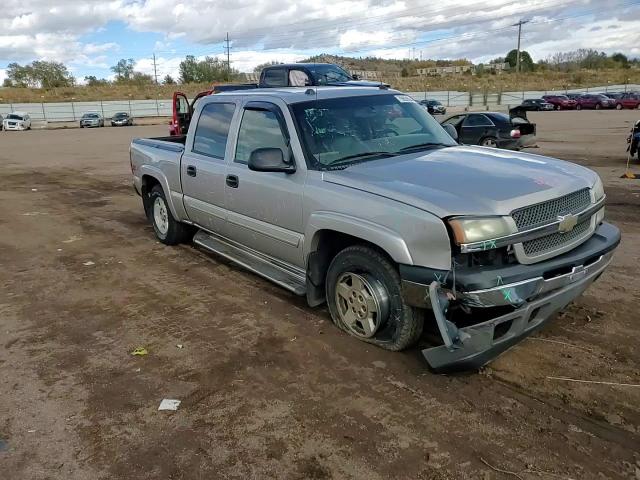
(476, 127)
(203, 167)
(265, 208)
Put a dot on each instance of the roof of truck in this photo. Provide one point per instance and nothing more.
(304, 94)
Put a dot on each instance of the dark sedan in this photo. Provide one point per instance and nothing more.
(434, 107)
(494, 129)
(536, 104)
(121, 119)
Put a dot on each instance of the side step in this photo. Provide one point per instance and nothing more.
(291, 278)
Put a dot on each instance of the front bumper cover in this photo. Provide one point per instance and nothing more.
(536, 299)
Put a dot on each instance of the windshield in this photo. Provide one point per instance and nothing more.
(329, 74)
(120, 115)
(90, 115)
(13, 116)
(339, 132)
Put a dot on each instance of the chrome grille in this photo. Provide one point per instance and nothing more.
(547, 212)
(543, 245)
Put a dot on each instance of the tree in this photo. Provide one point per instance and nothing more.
(93, 81)
(526, 62)
(404, 72)
(210, 69)
(168, 80)
(621, 58)
(7, 83)
(40, 74)
(123, 70)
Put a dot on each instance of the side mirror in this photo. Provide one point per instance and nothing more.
(269, 160)
(451, 130)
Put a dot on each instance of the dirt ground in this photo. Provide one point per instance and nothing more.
(269, 388)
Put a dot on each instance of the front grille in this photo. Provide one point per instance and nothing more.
(555, 241)
(547, 212)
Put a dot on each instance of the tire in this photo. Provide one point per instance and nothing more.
(167, 229)
(363, 278)
(618, 106)
(489, 142)
(578, 107)
(598, 106)
(557, 107)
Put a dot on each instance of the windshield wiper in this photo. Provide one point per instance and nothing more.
(424, 145)
(362, 155)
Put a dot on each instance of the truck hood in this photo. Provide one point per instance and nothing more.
(465, 180)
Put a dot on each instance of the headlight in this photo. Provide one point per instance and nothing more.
(597, 190)
(470, 230)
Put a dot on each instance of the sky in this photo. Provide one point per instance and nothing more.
(90, 36)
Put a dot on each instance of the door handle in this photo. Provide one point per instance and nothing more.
(191, 171)
(232, 181)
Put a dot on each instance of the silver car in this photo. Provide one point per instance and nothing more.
(357, 197)
(91, 119)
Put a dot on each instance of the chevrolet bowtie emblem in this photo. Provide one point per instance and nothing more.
(567, 223)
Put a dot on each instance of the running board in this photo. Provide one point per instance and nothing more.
(287, 277)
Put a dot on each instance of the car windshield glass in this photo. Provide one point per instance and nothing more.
(339, 132)
(329, 74)
(120, 115)
(90, 115)
(13, 116)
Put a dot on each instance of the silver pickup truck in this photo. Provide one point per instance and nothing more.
(356, 196)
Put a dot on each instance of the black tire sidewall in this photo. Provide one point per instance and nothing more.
(359, 259)
(495, 141)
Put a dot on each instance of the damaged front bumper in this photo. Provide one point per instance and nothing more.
(536, 292)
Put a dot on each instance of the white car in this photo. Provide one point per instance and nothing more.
(17, 121)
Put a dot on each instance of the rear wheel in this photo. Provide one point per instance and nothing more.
(557, 107)
(578, 107)
(598, 106)
(364, 296)
(619, 106)
(167, 229)
(489, 142)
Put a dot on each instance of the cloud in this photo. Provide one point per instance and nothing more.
(54, 29)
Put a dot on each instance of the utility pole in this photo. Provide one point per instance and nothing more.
(155, 69)
(228, 49)
(519, 25)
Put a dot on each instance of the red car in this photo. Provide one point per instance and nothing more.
(560, 102)
(594, 100)
(628, 100)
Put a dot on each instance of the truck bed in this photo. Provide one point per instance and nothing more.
(174, 143)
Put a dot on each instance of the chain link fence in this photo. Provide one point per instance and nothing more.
(73, 111)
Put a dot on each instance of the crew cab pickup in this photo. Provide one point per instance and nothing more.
(356, 196)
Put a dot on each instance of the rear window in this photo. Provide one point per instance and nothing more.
(475, 120)
(275, 77)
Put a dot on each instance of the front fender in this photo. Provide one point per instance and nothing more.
(385, 238)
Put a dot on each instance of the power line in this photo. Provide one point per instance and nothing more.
(519, 25)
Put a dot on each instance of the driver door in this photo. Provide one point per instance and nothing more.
(181, 114)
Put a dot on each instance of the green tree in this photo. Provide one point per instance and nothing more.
(621, 59)
(93, 81)
(7, 83)
(210, 69)
(123, 70)
(526, 62)
(168, 80)
(40, 74)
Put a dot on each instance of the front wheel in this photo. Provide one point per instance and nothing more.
(598, 106)
(619, 106)
(578, 107)
(364, 296)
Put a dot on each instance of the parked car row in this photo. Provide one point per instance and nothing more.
(16, 121)
(94, 119)
(580, 101)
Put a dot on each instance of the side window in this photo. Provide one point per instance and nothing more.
(275, 77)
(181, 105)
(213, 128)
(477, 121)
(259, 129)
(298, 78)
(455, 121)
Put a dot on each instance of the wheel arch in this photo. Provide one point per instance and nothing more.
(151, 177)
(330, 233)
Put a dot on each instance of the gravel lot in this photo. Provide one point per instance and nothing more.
(269, 388)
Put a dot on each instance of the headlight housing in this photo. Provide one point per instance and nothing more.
(470, 229)
(597, 190)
